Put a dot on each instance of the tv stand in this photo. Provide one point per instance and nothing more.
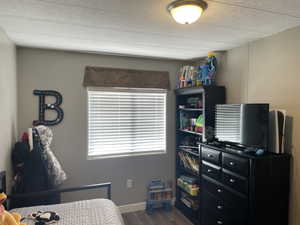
(243, 189)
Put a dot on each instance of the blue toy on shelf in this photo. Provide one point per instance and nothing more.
(205, 79)
(207, 72)
(159, 196)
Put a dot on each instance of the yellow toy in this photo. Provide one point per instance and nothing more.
(7, 218)
(210, 54)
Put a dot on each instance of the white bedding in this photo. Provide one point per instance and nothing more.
(88, 212)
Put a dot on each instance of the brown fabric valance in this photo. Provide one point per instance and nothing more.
(111, 77)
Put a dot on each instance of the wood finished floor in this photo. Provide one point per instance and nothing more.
(159, 217)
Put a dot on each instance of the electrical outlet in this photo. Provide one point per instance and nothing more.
(129, 183)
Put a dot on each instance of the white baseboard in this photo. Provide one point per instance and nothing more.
(134, 207)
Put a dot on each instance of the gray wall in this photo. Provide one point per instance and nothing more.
(267, 70)
(8, 100)
(63, 71)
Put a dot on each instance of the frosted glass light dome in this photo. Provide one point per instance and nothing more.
(187, 12)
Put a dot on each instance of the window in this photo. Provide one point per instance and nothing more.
(124, 122)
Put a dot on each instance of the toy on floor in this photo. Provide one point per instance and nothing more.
(7, 218)
(159, 195)
(43, 218)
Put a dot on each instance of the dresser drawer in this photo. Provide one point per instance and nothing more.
(239, 184)
(211, 155)
(213, 204)
(220, 192)
(211, 170)
(213, 218)
(236, 164)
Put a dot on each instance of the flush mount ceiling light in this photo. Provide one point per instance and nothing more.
(186, 11)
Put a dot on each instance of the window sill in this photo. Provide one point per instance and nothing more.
(125, 155)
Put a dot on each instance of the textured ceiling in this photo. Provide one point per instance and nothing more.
(143, 27)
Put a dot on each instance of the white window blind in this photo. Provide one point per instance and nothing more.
(124, 122)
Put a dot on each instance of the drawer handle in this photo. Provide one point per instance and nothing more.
(210, 156)
(219, 207)
(219, 222)
(219, 190)
(209, 170)
(231, 163)
(232, 180)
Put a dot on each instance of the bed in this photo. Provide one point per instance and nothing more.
(92, 212)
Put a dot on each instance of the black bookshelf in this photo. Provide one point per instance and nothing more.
(188, 139)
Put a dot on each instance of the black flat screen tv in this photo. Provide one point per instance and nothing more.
(244, 125)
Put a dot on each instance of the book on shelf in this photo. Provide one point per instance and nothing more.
(190, 163)
(190, 203)
(190, 180)
(191, 150)
(192, 189)
(186, 202)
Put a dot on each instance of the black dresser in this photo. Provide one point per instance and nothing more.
(242, 189)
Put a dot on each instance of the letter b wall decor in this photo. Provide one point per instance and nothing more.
(43, 106)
